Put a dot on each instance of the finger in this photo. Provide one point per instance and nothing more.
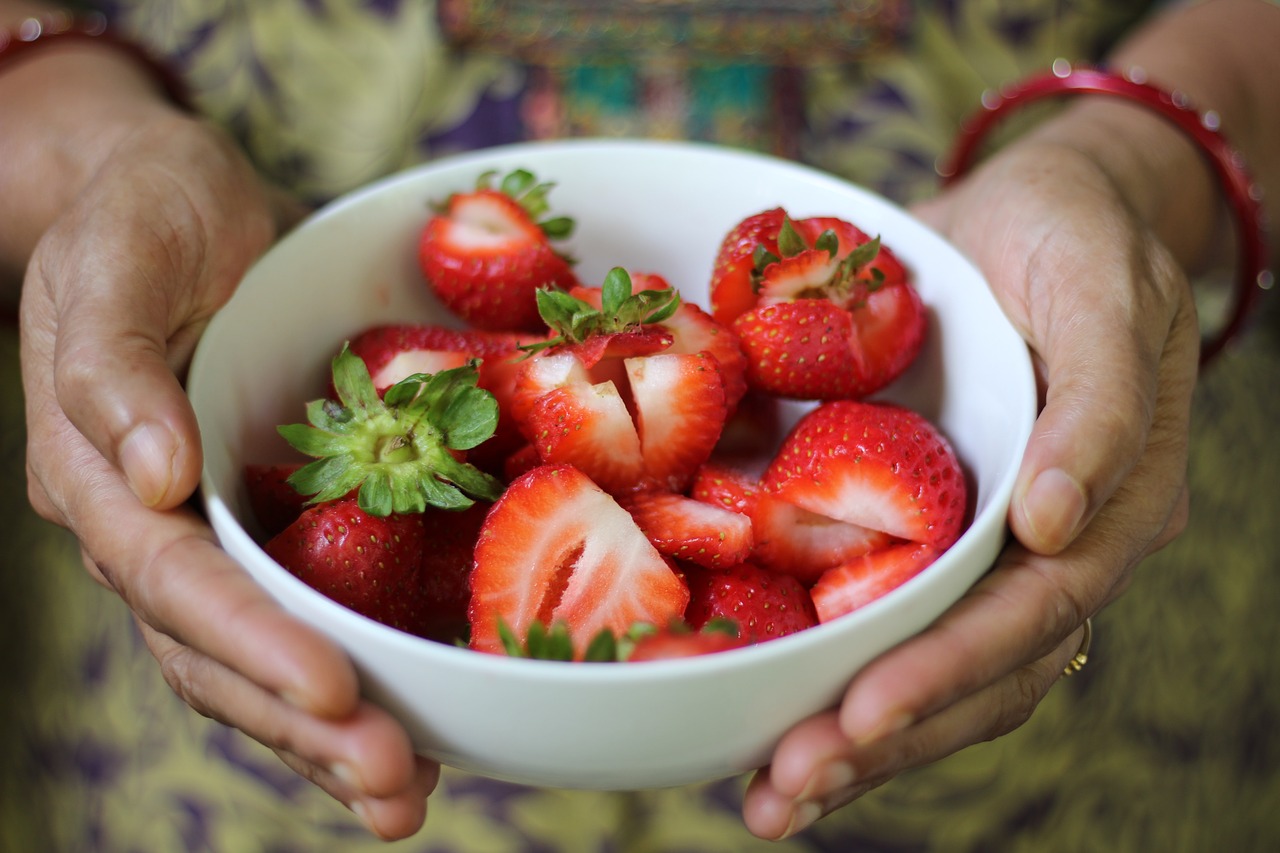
(1023, 609)
(390, 818)
(816, 769)
(364, 760)
(1102, 366)
(366, 749)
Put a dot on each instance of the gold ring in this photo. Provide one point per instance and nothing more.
(1082, 654)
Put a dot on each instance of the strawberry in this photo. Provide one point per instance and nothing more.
(556, 548)
(445, 567)
(725, 486)
(367, 563)
(829, 323)
(693, 330)
(394, 352)
(876, 465)
(273, 503)
(609, 394)
(846, 588)
(763, 604)
(794, 541)
(691, 530)
(487, 251)
(399, 450)
(678, 641)
(733, 286)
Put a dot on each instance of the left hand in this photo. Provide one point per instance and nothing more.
(1109, 319)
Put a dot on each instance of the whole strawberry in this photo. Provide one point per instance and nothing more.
(487, 251)
(364, 562)
(834, 319)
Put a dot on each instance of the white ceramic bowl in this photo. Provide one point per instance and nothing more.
(661, 207)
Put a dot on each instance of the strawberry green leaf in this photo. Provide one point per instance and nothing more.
(621, 310)
(396, 450)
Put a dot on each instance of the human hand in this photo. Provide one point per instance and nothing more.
(1110, 322)
(115, 297)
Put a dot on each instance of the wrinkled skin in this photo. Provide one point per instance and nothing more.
(115, 298)
(1109, 318)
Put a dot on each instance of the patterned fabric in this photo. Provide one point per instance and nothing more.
(1165, 742)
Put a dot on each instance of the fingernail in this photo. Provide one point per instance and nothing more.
(888, 726)
(802, 817)
(830, 777)
(362, 812)
(347, 775)
(147, 459)
(1054, 506)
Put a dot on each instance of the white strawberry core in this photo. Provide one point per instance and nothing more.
(484, 223)
(410, 362)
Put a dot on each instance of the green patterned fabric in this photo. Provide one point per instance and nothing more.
(1167, 741)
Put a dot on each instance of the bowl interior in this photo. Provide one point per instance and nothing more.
(659, 207)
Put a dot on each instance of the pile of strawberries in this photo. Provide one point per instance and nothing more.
(596, 471)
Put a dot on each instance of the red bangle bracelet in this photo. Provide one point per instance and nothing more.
(61, 27)
(1243, 195)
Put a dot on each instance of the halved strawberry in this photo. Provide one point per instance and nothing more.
(876, 465)
(556, 548)
(846, 588)
(368, 563)
(765, 605)
(687, 529)
(488, 250)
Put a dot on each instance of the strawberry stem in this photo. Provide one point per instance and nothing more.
(397, 450)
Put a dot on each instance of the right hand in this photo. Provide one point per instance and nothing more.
(116, 294)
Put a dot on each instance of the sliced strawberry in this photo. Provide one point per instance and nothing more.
(875, 465)
(732, 285)
(692, 331)
(725, 486)
(272, 500)
(367, 563)
(687, 529)
(680, 411)
(601, 362)
(671, 643)
(487, 252)
(765, 605)
(695, 331)
(589, 427)
(794, 541)
(846, 588)
(556, 548)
